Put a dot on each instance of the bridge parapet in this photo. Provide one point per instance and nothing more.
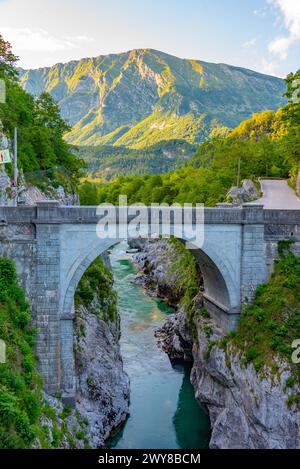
(51, 211)
(22, 214)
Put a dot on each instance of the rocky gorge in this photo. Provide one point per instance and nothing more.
(248, 408)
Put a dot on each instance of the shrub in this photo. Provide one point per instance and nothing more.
(269, 325)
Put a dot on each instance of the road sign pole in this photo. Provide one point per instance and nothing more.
(16, 165)
(239, 173)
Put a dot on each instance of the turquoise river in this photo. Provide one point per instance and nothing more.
(163, 409)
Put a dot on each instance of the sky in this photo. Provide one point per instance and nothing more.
(262, 35)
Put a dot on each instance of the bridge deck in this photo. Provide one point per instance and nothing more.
(46, 212)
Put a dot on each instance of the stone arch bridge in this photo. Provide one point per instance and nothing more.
(53, 245)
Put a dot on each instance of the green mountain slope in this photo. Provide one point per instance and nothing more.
(107, 161)
(142, 97)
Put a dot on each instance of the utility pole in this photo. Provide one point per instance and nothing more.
(239, 173)
(16, 166)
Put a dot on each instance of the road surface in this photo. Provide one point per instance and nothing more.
(277, 194)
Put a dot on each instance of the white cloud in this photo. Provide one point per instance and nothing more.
(250, 43)
(271, 67)
(290, 10)
(260, 13)
(38, 39)
(268, 67)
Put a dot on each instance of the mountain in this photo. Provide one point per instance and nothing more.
(142, 97)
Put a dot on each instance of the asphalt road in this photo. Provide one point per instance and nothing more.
(277, 194)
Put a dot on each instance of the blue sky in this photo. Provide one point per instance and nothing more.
(263, 35)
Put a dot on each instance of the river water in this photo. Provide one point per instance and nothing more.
(163, 409)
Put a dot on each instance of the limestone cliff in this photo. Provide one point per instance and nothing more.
(247, 408)
(102, 386)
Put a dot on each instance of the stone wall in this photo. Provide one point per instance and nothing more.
(254, 269)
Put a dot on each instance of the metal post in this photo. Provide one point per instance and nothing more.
(16, 165)
(239, 172)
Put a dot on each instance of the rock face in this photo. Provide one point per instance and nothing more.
(155, 260)
(174, 338)
(246, 193)
(102, 386)
(101, 383)
(247, 409)
(66, 429)
(30, 195)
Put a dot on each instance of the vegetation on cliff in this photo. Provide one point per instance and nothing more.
(95, 290)
(20, 385)
(188, 277)
(28, 418)
(272, 322)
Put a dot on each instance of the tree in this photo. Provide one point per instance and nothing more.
(88, 194)
(7, 60)
(44, 156)
(47, 113)
(292, 109)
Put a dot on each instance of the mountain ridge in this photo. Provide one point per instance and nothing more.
(151, 50)
(143, 96)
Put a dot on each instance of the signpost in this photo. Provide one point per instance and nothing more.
(15, 188)
(2, 91)
(5, 156)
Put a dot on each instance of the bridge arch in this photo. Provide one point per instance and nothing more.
(219, 284)
(219, 296)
